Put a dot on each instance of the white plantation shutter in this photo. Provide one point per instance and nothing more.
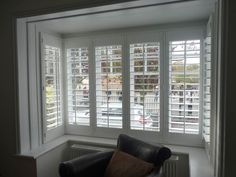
(78, 86)
(145, 86)
(94, 83)
(184, 86)
(145, 83)
(52, 86)
(109, 86)
(207, 89)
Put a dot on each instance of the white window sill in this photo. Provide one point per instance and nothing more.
(64, 139)
(199, 163)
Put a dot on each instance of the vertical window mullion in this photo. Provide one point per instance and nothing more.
(184, 89)
(107, 88)
(126, 86)
(92, 85)
(164, 88)
(144, 68)
(57, 89)
(74, 92)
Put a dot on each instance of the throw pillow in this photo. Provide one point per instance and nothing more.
(126, 165)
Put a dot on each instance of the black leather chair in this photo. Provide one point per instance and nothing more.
(94, 165)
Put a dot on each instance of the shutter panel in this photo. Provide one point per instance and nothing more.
(109, 86)
(145, 86)
(78, 86)
(184, 86)
(52, 86)
(207, 89)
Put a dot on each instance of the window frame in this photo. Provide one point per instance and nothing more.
(182, 35)
(123, 39)
(78, 42)
(142, 37)
(91, 42)
(55, 41)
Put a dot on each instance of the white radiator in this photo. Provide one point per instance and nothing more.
(176, 166)
(170, 166)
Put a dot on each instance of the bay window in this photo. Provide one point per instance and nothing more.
(146, 84)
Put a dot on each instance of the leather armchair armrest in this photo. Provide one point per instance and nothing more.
(92, 165)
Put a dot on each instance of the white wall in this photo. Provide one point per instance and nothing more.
(44, 165)
(47, 164)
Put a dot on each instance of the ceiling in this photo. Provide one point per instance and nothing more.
(152, 15)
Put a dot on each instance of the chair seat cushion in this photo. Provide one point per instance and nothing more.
(126, 165)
